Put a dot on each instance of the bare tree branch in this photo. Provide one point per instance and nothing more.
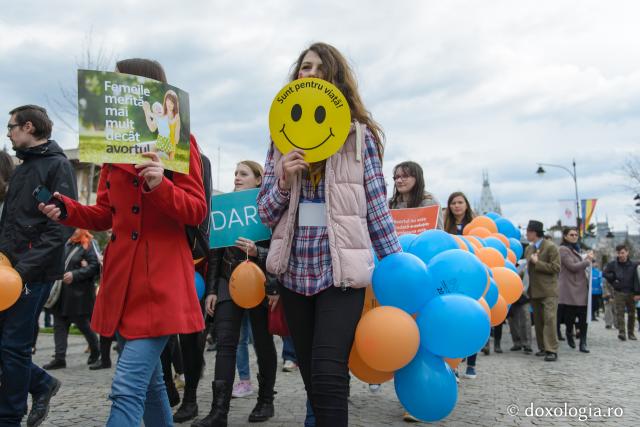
(65, 103)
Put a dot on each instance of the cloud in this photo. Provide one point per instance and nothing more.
(458, 86)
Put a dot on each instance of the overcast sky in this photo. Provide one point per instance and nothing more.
(458, 86)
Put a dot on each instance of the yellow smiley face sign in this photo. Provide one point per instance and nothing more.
(312, 115)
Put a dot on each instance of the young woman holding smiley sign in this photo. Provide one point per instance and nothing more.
(325, 215)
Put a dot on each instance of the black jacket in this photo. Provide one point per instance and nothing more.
(77, 298)
(33, 243)
(621, 275)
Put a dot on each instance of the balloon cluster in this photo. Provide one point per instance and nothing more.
(438, 300)
(10, 283)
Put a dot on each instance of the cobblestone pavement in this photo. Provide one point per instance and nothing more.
(608, 377)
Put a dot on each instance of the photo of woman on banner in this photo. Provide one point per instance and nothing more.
(165, 119)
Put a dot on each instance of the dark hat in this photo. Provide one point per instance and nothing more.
(535, 226)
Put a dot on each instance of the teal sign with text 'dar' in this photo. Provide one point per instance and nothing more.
(235, 215)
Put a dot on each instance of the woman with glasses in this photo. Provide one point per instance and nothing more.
(408, 189)
(573, 285)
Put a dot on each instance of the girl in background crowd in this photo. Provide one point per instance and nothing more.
(408, 189)
(148, 213)
(325, 268)
(228, 318)
(77, 296)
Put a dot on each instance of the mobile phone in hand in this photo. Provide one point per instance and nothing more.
(43, 195)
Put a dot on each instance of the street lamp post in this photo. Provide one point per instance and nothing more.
(574, 176)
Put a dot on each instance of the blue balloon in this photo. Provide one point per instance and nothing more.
(516, 247)
(494, 242)
(199, 285)
(400, 280)
(510, 266)
(491, 297)
(453, 326)
(468, 244)
(426, 387)
(430, 243)
(507, 228)
(457, 272)
(493, 215)
(406, 240)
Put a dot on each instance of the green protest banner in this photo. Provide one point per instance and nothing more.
(122, 116)
(235, 215)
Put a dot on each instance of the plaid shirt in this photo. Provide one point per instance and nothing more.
(310, 270)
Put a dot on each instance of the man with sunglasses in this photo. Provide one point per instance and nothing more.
(35, 247)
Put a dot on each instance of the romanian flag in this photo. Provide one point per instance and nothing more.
(588, 206)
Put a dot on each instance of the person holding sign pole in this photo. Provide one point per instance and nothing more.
(143, 297)
(325, 216)
(228, 318)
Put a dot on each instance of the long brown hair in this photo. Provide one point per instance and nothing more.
(417, 194)
(173, 97)
(336, 69)
(6, 170)
(450, 220)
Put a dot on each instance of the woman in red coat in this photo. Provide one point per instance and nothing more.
(147, 291)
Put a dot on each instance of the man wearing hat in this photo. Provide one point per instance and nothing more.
(543, 265)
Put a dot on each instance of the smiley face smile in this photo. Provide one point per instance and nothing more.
(308, 148)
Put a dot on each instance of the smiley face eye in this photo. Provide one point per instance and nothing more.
(320, 114)
(296, 112)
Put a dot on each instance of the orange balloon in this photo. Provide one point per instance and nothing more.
(467, 228)
(364, 372)
(511, 256)
(460, 243)
(4, 260)
(490, 257)
(453, 362)
(486, 222)
(499, 311)
(246, 285)
(370, 300)
(502, 238)
(475, 242)
(10, 287)
(484, 305)
(387, 338)
(509, 284)
(480, 232)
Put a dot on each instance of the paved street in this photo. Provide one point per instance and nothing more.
(608, 377)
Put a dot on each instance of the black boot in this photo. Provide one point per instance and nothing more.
(583, 340)
(219, 406)
(570, 339)
(496, 346)
(264, 408)
(189, 408)
(94, 356)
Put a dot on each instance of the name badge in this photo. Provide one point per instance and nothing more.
(312, 215)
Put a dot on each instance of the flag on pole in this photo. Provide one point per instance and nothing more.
(588, 206)
(567, 212)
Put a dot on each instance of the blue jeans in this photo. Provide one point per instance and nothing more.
(19, 374)
(310, 419)
(138, 391)
(242, 353)
(288, 351)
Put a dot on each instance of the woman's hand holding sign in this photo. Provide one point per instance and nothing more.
(292, 163)
(152, 171)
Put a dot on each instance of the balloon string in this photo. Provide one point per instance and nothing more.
(247, 252)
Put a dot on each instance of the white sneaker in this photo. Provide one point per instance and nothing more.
(242, 389)
(374, 388)
(289, 366)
